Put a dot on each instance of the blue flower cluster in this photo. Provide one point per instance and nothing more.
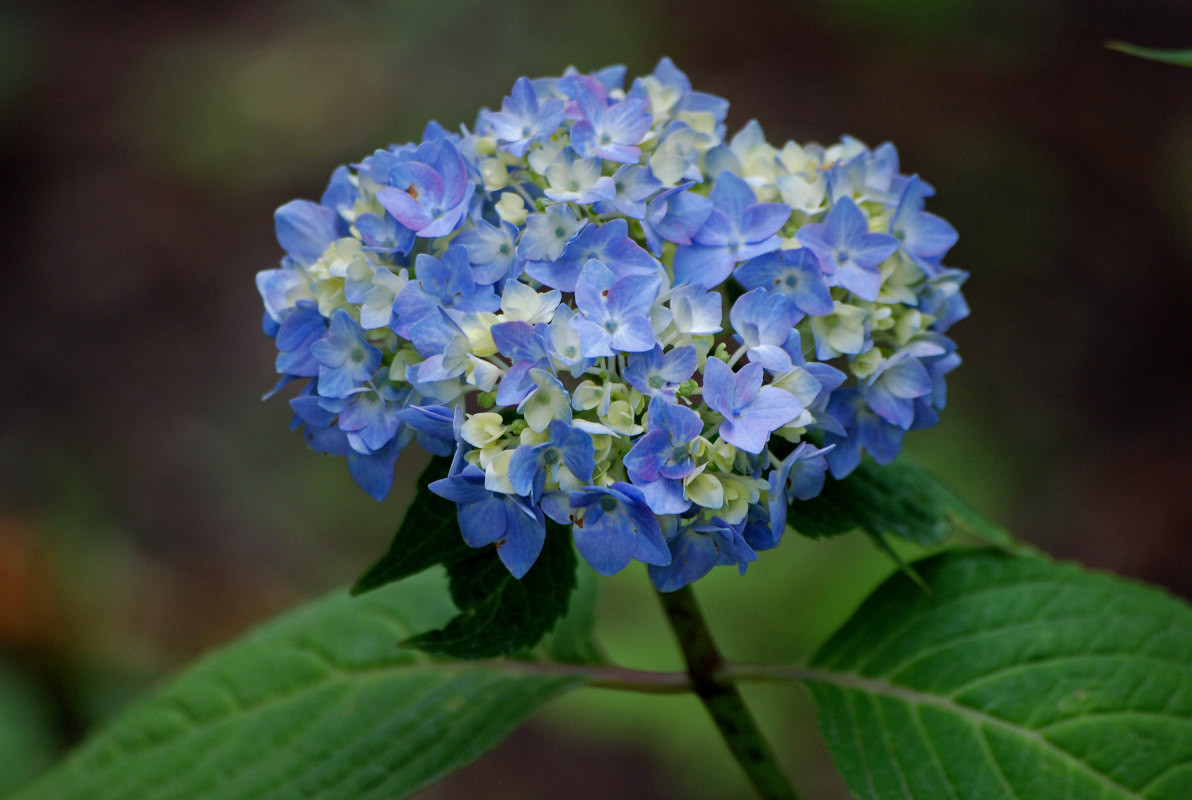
(544, 297)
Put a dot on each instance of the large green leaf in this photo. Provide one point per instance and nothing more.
(1013, 678)
(321, 704)
(898, 499)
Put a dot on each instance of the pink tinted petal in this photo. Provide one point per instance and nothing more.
(404, 208)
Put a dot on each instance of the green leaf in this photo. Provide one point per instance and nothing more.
(1013, 678)
(428, 535)
(899, 500)
(501, 614)
(318, 704)
(1182, 58)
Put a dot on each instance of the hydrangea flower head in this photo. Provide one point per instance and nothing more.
(547, 297)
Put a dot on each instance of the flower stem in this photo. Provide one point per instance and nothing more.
(721, 698)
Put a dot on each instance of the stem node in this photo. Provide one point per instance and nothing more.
(721, 698)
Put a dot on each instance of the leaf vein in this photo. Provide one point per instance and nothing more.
(900, 770)
(938, 608)
(874, 686)
(1052, 661)
(291, 733)
(1086, 716)
(849, 701)
(1142, 790)
(983, 740)
(984, 633)
(916, 716)
(343, 747)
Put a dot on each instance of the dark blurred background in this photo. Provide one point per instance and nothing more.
(152, 507)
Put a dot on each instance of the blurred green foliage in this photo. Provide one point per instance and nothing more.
(1182, 58)
(27, 738)
(333, 83)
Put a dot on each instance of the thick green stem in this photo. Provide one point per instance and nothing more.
(721, 698)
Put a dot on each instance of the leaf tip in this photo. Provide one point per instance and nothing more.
(1182, 58)
(365, 583)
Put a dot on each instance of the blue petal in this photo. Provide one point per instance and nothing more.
(466, 487)
(704, 266)
(719, 386)
(845, 223)
(644, 458)
(664, 496)
(557, 506)
(928, 236)
(523, 538)
(693, 555)
(633, 294)
(484, 521)
(577, 448)
(305, 229)
(679, 364)
(404, 208)
(732, 195)
(679, 423)
(374, 473)
(518, 341)
(634, 334)
(525, 470)
(298, 326)
(763, 220)
(517, 382)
